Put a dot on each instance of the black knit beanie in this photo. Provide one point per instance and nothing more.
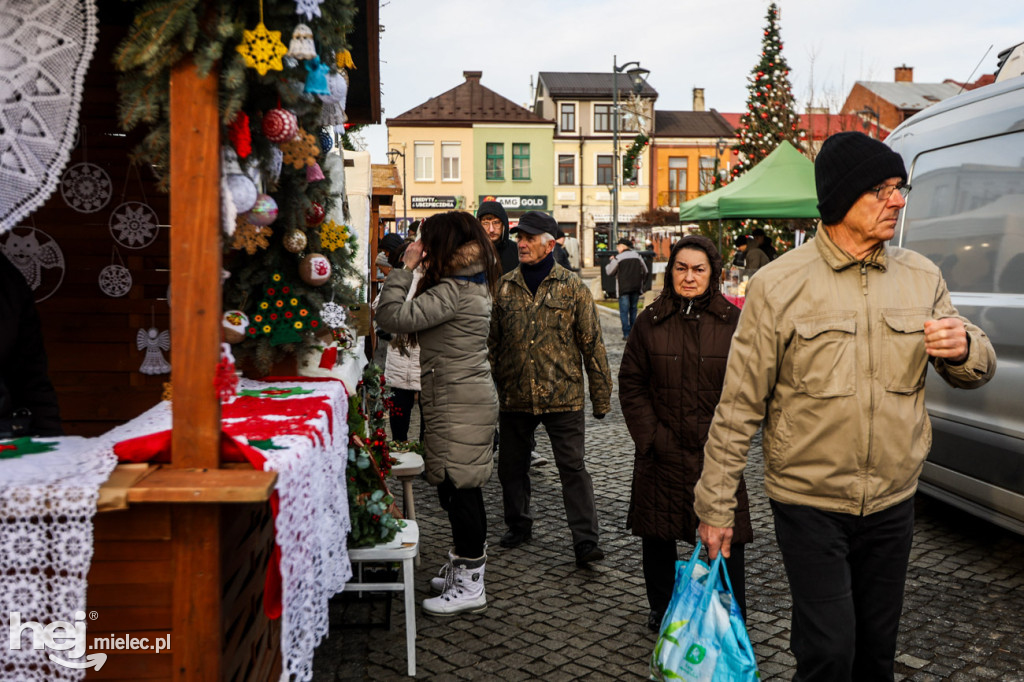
(848, 165)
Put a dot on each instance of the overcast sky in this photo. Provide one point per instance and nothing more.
(427, 44)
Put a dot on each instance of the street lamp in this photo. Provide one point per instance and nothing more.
(636, 76)
(393, 155)
(720, 146)
(868, 111)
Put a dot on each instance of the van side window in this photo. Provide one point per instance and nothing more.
(966, 214)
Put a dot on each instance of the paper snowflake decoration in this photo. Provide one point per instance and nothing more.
(250, 237)
(333, 236)
(301, 151)
(85, 187)
(311, 8)
(333, 314)
(262, 49)
(134, 225)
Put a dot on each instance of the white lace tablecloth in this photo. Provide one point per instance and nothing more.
(47, 503)
(313, 520)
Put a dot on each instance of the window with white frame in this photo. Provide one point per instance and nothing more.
(567, 121)
(566, 169)
(603, 118)
(424, 161)
(451, 154)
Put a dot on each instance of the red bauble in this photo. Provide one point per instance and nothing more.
(316, 214)
(280, 125)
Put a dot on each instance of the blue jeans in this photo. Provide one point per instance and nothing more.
(627, 311)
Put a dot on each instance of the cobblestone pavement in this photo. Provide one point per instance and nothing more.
(549, 620)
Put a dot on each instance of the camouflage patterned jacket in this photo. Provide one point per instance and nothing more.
(538, 345)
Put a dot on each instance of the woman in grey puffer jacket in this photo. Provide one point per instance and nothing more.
(450, 315)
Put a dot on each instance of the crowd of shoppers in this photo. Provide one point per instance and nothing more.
(828, 358)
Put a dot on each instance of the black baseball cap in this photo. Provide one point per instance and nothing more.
(537, 222)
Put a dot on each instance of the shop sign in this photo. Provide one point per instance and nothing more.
(427, 202)
(519, 203)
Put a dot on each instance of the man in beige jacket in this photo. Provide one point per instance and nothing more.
(831, 353)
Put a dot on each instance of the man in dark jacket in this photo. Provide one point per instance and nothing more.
(28, 402)
(493, 217)
(630, 272)
(544, 330)
(764, 243)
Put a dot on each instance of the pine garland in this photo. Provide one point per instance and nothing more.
(629, 160)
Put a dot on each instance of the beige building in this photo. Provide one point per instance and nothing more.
(581, 105)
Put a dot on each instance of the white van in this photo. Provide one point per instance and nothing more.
(965, 157)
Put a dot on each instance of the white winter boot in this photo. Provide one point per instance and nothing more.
(438, 581)
(463, 589)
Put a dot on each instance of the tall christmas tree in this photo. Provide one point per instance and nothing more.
(769, 118)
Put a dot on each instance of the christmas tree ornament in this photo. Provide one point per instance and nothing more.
(134, 225)
(301, 151)
(234, 323)
(333, 113)
(326, 141)
(225, 378)
(316, 77)
(282, 315)
(242, 191)
(311, 8)
(302, 45)
(333, 314)
(295, 241)
(280, 125)
(115, 280)
(154, 341)
(315, 214)
(276, 163)
(37, 256)
(344, 60)
(262, 49)
(314, 173)
(86, 187)
(333, 236)
(263, 212)
(240, 134)
(250, 237)
(315, 269)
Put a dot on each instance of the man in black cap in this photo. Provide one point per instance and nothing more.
(493, 217)
(544, 330)
(630, 272)
(833, 361)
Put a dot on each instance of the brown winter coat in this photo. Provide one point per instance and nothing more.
(670, 381)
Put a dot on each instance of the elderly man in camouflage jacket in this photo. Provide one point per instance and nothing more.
(544, 328)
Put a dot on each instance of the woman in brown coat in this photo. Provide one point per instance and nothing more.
(670, 381)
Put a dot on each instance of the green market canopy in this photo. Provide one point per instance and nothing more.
(780, 186)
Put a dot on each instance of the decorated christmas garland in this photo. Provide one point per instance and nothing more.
(629, 160)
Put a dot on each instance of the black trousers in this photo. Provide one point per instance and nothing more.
(847, 575)
(566, 432)
(467, 516)
(402, 400)
(659, 560)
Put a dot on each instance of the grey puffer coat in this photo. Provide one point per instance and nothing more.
(460, 405)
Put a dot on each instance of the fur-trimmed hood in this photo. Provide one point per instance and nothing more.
(467, 260)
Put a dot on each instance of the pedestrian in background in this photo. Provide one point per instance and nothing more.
(764, 243)
(544, 330)
(572, 249)
(754, 257)
(450, 314)
(561, 255)
(833, 361)
(669, 383)
(494, 220)
(630, 272)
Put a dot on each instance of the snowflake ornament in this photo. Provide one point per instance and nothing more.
(311, 8)
(115, 280)
(85, 187)
(301, 151)
(333, 314)
(134, 225)
(333, 236)
(250, 237)
(262, 49)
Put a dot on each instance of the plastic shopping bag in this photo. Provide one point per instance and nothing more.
(703, 637)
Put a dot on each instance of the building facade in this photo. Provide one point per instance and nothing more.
(468, 144)
(582, 153)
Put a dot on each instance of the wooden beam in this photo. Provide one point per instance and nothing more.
(196, 614)
(195, 267)
(204, 485)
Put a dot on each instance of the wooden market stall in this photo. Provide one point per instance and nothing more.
(185, 554)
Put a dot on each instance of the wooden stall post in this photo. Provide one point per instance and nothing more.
(195, 330)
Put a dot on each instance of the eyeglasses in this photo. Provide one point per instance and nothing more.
(491, 222)
(883, 192)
